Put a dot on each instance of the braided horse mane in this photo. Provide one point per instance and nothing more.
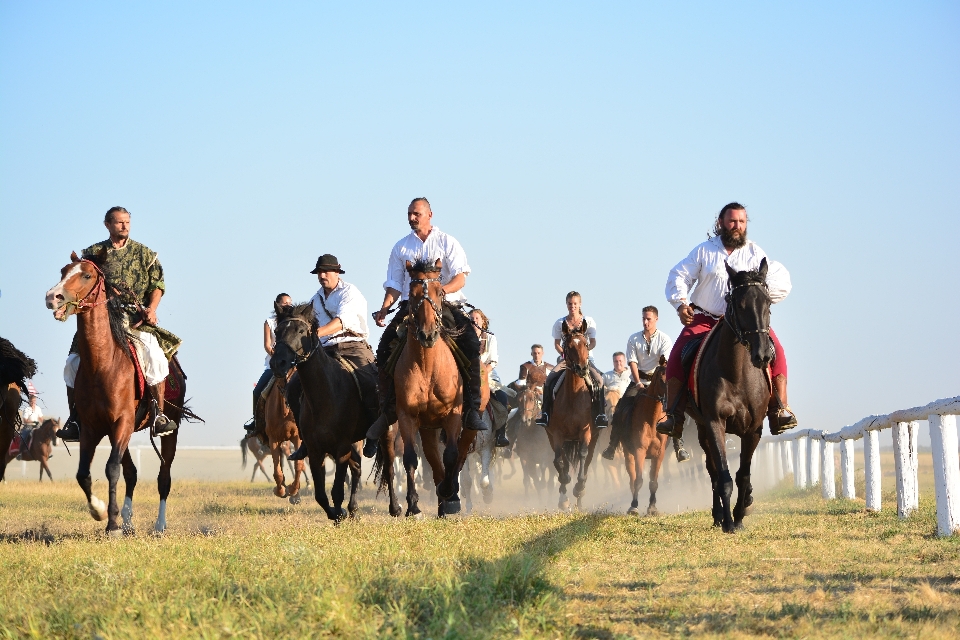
(15, 365)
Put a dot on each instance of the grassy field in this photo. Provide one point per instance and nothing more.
(239, 563)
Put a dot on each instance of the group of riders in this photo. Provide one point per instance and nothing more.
(696, 288)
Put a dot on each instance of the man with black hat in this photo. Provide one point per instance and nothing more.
(426, 242)
(341, 311)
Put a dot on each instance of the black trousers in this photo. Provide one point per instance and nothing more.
(552, 381)
(261, 385)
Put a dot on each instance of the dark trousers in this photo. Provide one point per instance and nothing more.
(548, 388)
(261, 385)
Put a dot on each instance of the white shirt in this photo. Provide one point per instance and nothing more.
(438, 246)
(272, 323)
(490, 356)
(29, 414)
(558, 328)
(637, 347)
(619, 381)
(705, 267)
(344, 302)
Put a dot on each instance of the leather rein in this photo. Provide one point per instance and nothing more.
(300, 357)
(730, 317)
(437, 309)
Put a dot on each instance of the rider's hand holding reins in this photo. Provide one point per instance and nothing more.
(685, 312)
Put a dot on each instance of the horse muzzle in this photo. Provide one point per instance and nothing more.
(427, 339)
(762, 352)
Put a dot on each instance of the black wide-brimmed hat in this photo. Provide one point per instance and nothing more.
(327, 262)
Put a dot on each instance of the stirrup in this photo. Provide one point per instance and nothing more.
(70, 431)
(682, 454)
(502, 440)
(667, 425)
(609, 453)
(774, 418)
(601, 421)
(542, 419)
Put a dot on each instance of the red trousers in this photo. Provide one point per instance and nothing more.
(701, 325)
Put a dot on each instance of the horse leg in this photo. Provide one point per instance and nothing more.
(486, 484)
(130, 483)
(585, 456)
(338, 492)
(448, 490)
(561, 461)
(717, 508)
(354, 464)
(320, 483)
(389, 473)
(112, 471)
(744, 488)
(629, 459)
(276, 453)
(168, 449)
(293, 490)
(723, 483)
(655, 464)
(410, 463)
(466, 484)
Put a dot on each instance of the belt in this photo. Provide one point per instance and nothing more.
(645, 376)
(704, 312)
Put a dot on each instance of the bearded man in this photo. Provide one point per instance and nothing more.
(135, 270)
(705, 267)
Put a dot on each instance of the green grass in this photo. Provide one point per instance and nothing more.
(238, 562)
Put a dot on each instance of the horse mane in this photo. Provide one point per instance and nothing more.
(423, 266)
(119, 300)
(15, 365)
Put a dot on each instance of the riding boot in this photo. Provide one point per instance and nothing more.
(70, 432)
(546, 403)
(300, 453)
(388, 414)
(682, 454)
(162, 425)
(779, 414)
(615, 436)
(471, 398)
(502, 437)
(672, 421)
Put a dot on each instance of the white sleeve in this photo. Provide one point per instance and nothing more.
(557, 332)
(456, 258)
(591, 328)
(682, 278)
(632, 349)
(492, 356)
(778, 281)
(352, 310)
(667, 346)
(395, 270)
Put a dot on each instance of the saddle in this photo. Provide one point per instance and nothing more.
(20, 443)
(692, 356)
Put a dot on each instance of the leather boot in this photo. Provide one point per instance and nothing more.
(471, 398)
(502, 437)
(300, 453)
(162, 425)
(779, 414)
(600, 421)
(388, 414)
(70, 432)
(682, 454)
(672, 422)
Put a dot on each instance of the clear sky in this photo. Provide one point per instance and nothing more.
(581, 146)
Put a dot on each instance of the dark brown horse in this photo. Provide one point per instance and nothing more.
(106, 391)
(41, 443)
(533, 449)
(734, 391)
(642, 442)
(570, 425)
(15, 368)
(430, 393)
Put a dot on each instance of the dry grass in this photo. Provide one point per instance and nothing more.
(238, 562)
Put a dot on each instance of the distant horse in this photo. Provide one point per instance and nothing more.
(332, 416)
(641, 441)
(430, 393)
(483, 450)
(41, 443)
(253, 445)
(106, 391)
(15, 368)
(281, 428)
(531, 444)
(570, 425)
(734, 390)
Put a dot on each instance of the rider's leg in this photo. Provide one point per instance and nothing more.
(547, 404)
(502, 398)
(672, 423)
(469, 344)
(387, 394)
(779, 414)
(599, 405)
(71, 428)
(257, 392)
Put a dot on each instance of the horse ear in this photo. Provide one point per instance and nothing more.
(74, 257)
(663, 360)
(763, 268)
(437, 263)
(583, 326)
(730, 272)
(277, 308)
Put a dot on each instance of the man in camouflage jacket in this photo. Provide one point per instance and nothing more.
(134, 270)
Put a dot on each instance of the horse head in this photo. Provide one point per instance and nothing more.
(529, 402)
(658, 384)
(81, 286)
(575, 349)
(425, 287)
(296, 338)
(748, 312)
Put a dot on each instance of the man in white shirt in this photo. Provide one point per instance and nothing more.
(700, 310)
(341, 312)
(644, 350)
(426, 242)
(618, 379)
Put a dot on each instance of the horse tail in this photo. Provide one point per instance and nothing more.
(243, 451)
(380, 464)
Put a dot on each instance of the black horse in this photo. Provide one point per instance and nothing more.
(331, 417)
(734, 390)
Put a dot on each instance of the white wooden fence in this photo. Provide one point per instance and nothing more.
(808, 454)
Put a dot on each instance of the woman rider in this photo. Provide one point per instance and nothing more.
(269, 342)
(489, 357)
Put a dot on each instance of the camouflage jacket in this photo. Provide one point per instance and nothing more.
(137, 267)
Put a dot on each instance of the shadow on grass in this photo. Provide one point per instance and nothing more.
(485, 597)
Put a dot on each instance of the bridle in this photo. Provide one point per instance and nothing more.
(582, 370)
(299, 357)
(437, 309)
(662, 398)
(730, 317)
(100, 287)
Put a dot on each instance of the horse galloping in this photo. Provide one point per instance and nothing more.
(536, 456)
(570, 427)
(106, 391)
(39, 446)
(281, 428)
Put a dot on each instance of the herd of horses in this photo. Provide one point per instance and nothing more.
(732, 388)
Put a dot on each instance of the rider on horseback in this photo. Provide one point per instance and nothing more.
(135, 270)
(341, 311)
(706, 266)
(490, 357)
(425, 243)
(573, 320)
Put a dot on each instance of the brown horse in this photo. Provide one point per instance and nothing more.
(532, 448)
(106, 391)
(42, 441)
(642, 442)
(570, 425)
(430, 393)
(253, 445)
(281, 427)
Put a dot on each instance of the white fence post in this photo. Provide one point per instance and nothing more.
(778, 460)
(903, 457)
(800, 463)
(771, 470)
(813, 468)
(827, 487)
(788, 457)
(847, 487)
(138, 457)
(915, 463)
(871, 463)
(23, 467)
(946, 472)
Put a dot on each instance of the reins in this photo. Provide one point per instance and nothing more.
(730, 317)
(82, 304)
(300, 358)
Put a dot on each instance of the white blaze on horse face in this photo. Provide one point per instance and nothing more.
(576, 341)
(58, 296)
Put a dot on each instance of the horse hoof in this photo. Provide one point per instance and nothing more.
(279, 492)
(487, 497)
(97, 509)
(718, 523)
(652, 511)
(633, 511)
(114, 533)
(564, 504)
(484, 482)
(578, 490)
(295, 498)
(451, 507)
(415, 516)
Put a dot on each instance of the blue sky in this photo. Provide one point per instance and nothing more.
(567, 146)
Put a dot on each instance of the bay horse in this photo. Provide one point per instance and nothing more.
(531, 446)
(332, 417)
(105, 390)
(42, 441)
(734, 390)
(430, 393)
(641, 441)
(281, 428)
(570, 425)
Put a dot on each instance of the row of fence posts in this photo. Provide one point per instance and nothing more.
(809, 455)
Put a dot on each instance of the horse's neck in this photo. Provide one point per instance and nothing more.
(98, 350)
(318, 375)
(733, 357)
(574, 382)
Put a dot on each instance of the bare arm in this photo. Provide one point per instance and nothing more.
(153, 302)
(557, 346)
(390, 296)
(591, 344)
(635, 372)
(456, 283)
(332, 327)
(267, 339)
